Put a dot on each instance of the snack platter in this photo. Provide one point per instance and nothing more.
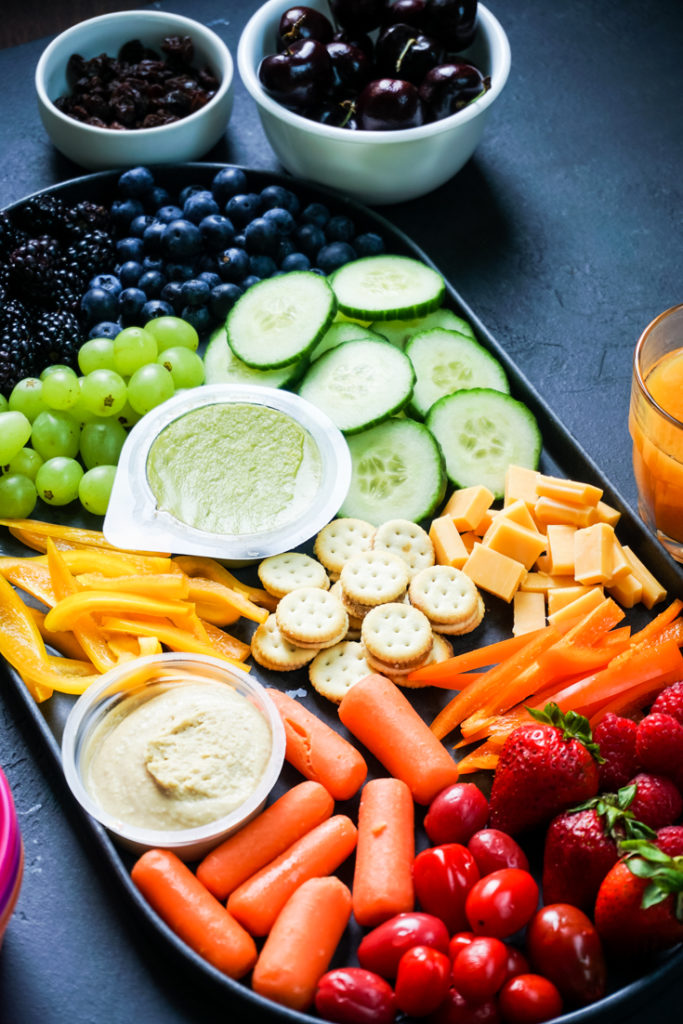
(561, 456)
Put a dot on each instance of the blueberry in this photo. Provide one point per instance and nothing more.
(200, 205)
(131, 301)
(198, 316)
(181, 239)
(285, 247)
(172, 292)
(223, 297)
(217, 231)
(195, 292)
(187, 191)
(139, 224)
(109, 282)
(123, 211)
(130, 248)
(277, 195)
(334, 255)
(105, 329)
(281, 219)
(158, 196)
(98, 304)
(233, 265)
(295, 261)
(153, 263)
(156, 308)
(136, 182)
(340, 229)
(260, 236)
(368, 244)
(311, 238)
(315, 213)
(229, 181)
(179, 271)
(151, 236)
(130, 273)
(242, 208)
(262, 265)
(168, 213)
(238, 241)
(151, 283)
(211, 278)
(249, 280)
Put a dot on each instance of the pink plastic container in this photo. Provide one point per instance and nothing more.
(11, 855)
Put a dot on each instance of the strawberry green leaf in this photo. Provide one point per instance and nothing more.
(572, 726)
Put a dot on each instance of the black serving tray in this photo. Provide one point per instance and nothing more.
(561, 455)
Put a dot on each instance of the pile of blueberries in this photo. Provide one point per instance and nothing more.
(194, 254)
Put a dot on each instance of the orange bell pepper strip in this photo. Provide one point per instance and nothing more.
(441, 673)
(71, 534)
(31, 576)
(484, 758)
(169, 635)
(86, 631)
(209, 568)
(167, 586)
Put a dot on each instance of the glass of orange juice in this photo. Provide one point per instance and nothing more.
(656, 426)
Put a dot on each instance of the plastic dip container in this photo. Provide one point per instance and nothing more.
(11, 855)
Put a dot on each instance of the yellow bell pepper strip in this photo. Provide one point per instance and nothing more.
(199, 565)
(148, 645)
(86, 631)
(117, 563)
(170, 586)
(218, 604)
(31, 576)
(64, 641)
(169, 635)
(70, 609)
(228, 644)
(20, 640)
(71, 534)
(70, 666)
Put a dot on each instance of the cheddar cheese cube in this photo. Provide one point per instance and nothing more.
(528, 610)
(627, 591)
(509, 538)
(549, 510)
(653, 591)
(561, 549)
(449, 548)
(572, 492)
(498, 574)
(520, 485)
(593, 554)
(560, 597)
(544, 582)
(467, 505)
(565, 617)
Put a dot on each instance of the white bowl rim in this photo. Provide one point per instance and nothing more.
(500, 47)
(178, 20)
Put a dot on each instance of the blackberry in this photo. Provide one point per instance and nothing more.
(57, 338)
(43, 215)
(10, 236)
(67, 288)
(18, 350)
(32, 267)
(85, 217)
(93, 252)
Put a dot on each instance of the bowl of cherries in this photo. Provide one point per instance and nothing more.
(382, 99)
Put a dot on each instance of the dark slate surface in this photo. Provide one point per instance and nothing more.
(563, 233)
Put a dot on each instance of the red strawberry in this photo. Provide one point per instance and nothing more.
(616, 737)
(670, 702)
(581, 846)
(670, 839)
(639, 907)
(659, 744)
(544, 767)
(657, 801)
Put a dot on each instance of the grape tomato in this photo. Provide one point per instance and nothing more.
(422, 980)
(456, 813)
(352, 995)
(382, 948)
(501, 903)
(529, 999)
(455, 1009)
(443, 877)
(494, 850)
(564, 946)
(480, 968)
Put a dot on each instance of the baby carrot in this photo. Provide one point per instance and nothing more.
(258, 901)
(317, 751)
(382, 880)
(382, 718)
(302, 942)
(193, 913)
(265, 837)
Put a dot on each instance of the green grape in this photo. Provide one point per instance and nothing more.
(95, 487)
(133, 347)
(103, 392)
(57, 480)
(171, 332)
(15, 430)
(4, 404)
(51, 369)
(184, 365)
(27, 462)
(78, 409)
(27, 397)
(55, 433)
(101, 442)
(60, 389)
(149, 386)
(128, 417)
(18, 496)
(96, 354)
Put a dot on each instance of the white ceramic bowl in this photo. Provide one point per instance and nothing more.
(100, 148)
(373, 167)
(131, 679)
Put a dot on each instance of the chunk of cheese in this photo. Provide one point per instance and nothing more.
(548, 510)
(560, 597)
(528, 610)
(573, 492)
(593, 554)
(518, 511)
(565, 617)
(467, 505)
(520, 484)
(498, 574)
(653, 591)
(509, 538)
(627, 591)
(607, 514)
(485, 522)
(561, 549)
(449, 548)
(544, 582)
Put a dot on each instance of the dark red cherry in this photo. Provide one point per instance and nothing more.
(358, 15)
(351, 69)
(303, 23)
(298, 77)
(402, 52)
(360, 39)
(450, 87)
(389, 104)
(408, 12)
(339, 114)
(453, 22)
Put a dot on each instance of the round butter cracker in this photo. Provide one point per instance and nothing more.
(398, 636)
(280, 574)
(271, 650)
(406, 539)
(340, 540)
(310, 617)
(373, 578)
(447, 596)
(334, 671)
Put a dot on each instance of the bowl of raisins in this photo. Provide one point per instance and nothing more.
(382, 99)
(135, 87)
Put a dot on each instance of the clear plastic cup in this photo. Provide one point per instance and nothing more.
(11, 855)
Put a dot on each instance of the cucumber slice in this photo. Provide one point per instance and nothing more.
(359, 383)
(339, 333)
(481, 432)
(445, 361)
(398, 332)
(387, 288)
(222, 366)
(397, 472)
(280, 319)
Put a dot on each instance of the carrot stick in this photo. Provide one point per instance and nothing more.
(290, 965)
(257, 902)
(382, 717)
(317, 751)
(439, 673)
(382, 880)
(193, 913)
(264, 838)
